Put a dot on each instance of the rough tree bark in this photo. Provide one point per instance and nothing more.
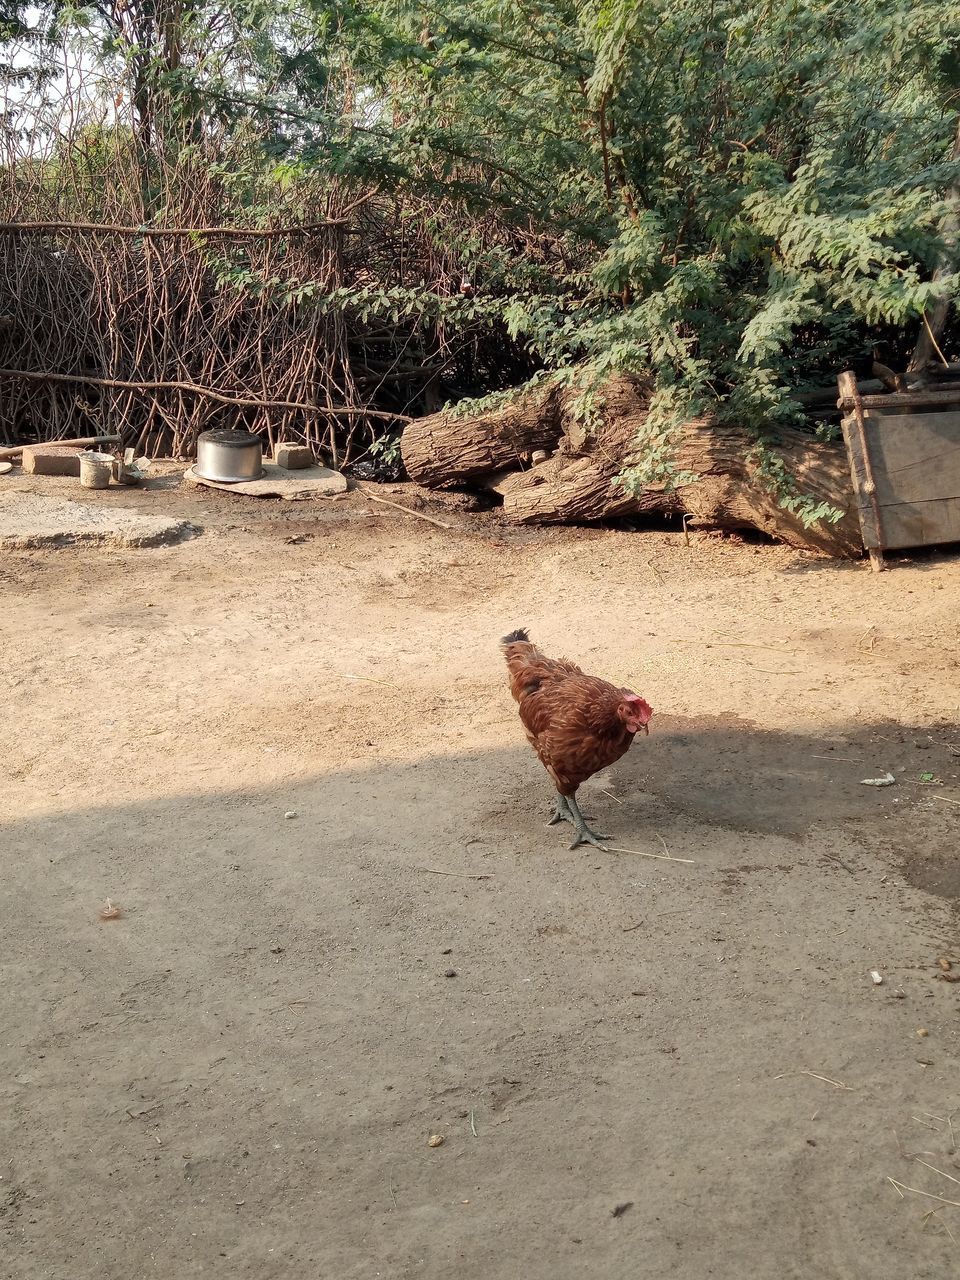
(934, 324)
(442, 450)
(578, 483)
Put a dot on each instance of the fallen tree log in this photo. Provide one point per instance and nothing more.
(579, 482)
(443, 450)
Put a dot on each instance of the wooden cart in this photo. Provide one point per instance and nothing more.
(904, 451)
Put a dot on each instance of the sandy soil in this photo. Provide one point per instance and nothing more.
(240, 1075)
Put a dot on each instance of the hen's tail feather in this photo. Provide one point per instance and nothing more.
(520, 636)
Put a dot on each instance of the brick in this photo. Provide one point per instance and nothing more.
(51, 460)
(293, 457)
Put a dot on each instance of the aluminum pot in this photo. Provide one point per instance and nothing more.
(229, 456)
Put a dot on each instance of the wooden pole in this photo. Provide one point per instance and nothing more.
(87, 442)
(861, 467)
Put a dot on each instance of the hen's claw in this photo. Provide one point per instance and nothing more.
(561, 813)
(568, 808)
(586, 836)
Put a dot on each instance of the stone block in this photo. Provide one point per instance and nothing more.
(293, 457)
(51, 460)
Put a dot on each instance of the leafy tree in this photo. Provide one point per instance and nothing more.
(730, 200)
(735, 200)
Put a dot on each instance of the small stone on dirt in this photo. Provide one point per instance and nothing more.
(436, 1140)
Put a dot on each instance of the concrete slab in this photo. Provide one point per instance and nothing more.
(294, 486)
(28, 520)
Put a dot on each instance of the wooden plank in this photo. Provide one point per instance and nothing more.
(921, 524)
(861, 471)
(915, 457)
(858, 475)
(906, 400)
(904, 465)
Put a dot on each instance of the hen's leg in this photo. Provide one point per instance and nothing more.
(562, 812)
(584, 834)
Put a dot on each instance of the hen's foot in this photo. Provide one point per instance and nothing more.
(584, 834)
(561, 813)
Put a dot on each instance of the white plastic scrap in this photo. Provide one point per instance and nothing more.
(886, 781)
(877, 977)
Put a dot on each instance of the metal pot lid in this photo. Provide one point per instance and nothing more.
(229, 436)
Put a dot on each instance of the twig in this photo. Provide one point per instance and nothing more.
(730, 644)
(837, 1084)
(192, 388)
(864, 636)
(902, 1186)
(946, 800)
(370, 680)
(463, 875)
(932, 1127)
(935, 1213)
(611, 795)
(767, 671)
(927, 1165)
(138, 1115)
(374, 497)
(629, 928)
(150, 232)
(473, 1127)
(642, 853)
(933, 341)
(393, 1194)
(835, 857)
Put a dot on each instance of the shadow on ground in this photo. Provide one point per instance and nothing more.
(241, 1074)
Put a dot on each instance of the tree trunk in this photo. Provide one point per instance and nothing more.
(440, 450)
(579, 482)
(935, 322)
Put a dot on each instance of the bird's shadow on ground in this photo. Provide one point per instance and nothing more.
(702, 776)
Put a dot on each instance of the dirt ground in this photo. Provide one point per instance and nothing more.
(240, 1075)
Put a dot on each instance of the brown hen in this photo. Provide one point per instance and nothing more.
(577, 724)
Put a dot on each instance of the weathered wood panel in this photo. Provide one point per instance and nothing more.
(909, 479)
(921, 524)
(916, 457)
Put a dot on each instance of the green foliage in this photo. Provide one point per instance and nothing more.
(732, 200)
(744, 193)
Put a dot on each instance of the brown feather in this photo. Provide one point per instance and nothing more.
(570, 718)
